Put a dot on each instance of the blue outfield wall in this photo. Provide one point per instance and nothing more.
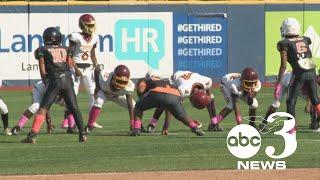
(241, 42)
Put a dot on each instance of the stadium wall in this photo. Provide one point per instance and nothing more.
(212, 38)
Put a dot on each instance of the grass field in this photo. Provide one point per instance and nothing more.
(111, 150)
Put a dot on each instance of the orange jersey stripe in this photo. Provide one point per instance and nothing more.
(167, 90)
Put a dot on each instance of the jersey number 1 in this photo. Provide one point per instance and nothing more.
(58, 54)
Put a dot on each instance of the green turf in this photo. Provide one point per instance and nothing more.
(111, 150)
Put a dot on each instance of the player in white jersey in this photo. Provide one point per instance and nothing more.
(114, 86)
(236, 86)
(83, 45)
(189, 82)
(4, 115)
(37, 95)
(279, 96)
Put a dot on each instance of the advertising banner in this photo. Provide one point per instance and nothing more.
(141, 40)
(200, 44)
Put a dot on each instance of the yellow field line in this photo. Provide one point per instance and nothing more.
(14, 3)
(48, 3)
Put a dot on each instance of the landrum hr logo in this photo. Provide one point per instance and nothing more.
(244, 141)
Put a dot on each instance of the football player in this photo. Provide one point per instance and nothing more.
(141, 86)
(277, 102)
(190, 82)
(295, 50)
(54, 63)
(4, 116)
(83, 44)
(37, 95)
(236, 86)
(114, 86)
(161, 93)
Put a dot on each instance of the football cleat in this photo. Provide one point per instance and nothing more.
(314, 123)
(8, 132)
(214, 127)
(30, 139)
(313, 126)
(83, 138)
(165, 132)
(88, 129)
(96, 125)
(135, 132)
(197, 131)
(151, 128)
(15, 130)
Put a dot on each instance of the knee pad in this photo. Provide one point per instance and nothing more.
(254, 104)
(276, 104)
(34, 107)
(3, 107)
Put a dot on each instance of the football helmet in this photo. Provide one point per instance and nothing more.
(152, 73)
(87, 23)
(249, 79)
(289, 27)
(52, 36)
(121, 77)
(199, 99)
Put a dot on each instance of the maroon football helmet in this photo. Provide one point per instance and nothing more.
(121, 77)
(199, 99)
(249, 79)
(87, 23)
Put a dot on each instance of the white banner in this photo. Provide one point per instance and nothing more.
(140, 40)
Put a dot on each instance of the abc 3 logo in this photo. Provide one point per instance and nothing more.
(244, 141)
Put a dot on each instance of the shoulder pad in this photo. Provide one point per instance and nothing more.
(282, 45)
(38, 53)
(307, 39)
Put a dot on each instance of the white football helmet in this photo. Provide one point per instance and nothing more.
(153, 73)
(290, 26)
